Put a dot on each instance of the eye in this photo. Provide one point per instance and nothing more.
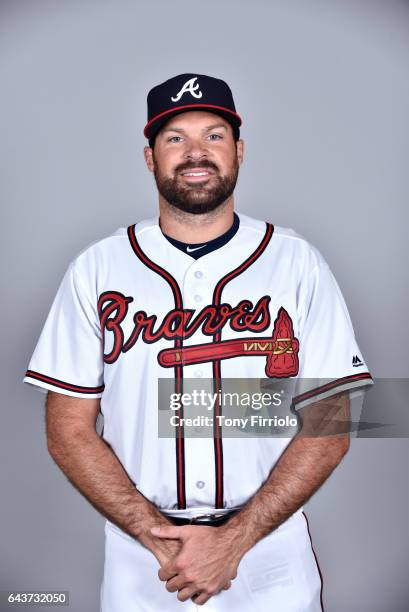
(217, 135)
(172, 137)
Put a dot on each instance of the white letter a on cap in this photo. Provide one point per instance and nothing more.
(188, 87)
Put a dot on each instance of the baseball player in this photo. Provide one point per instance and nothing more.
(197, 292)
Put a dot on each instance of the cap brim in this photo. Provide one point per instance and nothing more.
(156, 123)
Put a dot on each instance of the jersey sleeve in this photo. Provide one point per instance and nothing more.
(68, 357)
(329, 357)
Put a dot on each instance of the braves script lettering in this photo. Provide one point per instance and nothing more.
(177, 323)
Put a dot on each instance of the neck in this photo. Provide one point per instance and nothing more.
(187, 227)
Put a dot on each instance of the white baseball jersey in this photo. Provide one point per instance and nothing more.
(132, 308)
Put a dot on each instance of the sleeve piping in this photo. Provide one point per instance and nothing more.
(341, 384)
(37, 376)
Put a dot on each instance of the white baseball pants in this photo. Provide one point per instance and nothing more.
(279, 573)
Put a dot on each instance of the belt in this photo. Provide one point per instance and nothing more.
(211, 520)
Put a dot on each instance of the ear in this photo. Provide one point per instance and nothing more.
(148, 154)
(240, 150)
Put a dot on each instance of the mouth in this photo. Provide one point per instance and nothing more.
(198, 174)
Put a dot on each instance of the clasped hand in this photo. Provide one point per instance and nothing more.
(205, 565)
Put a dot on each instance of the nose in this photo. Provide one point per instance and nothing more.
(195, 149)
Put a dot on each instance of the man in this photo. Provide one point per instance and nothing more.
(199, 292)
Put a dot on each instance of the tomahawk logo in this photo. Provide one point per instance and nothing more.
(190, 87)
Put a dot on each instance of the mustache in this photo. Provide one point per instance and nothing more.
(205, 165)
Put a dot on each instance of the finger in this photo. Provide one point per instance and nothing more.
(227, 586)
(176, 583)
(200, 599)
(165, 574)
(170, 532)
(187, 593)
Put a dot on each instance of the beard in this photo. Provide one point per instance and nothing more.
(201, 197)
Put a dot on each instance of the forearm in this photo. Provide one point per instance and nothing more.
(303, 467)
(301, 470)
(93, 468)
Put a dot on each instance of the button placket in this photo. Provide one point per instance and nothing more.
(195, 288)
(197, 294)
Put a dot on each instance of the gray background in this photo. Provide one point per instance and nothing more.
(323, 91)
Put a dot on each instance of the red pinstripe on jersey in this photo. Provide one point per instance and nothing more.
(177, 296)
(217, 430)
(180, 447)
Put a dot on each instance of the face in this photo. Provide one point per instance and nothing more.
(195, 142)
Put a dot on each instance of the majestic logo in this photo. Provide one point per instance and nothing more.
(356, 362)
(188, 87)
(280, 350)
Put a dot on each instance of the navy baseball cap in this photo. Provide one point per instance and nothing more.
(187, 92)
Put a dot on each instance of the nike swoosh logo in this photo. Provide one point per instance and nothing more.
(190, 250)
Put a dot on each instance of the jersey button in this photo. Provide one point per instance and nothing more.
(200, 484)
(198, 298)
(198, 274)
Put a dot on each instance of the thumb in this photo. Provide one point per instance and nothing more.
(170, 532)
